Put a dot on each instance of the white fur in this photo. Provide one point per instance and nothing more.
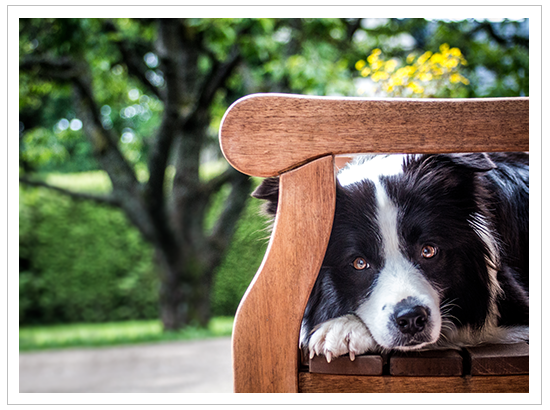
(371, 167)
(466, 336)
(336, 337)
(398, 280)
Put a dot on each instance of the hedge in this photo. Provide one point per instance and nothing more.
(84, 262)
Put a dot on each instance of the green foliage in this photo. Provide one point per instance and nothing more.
(132, 113)
(80, 261)
(83, 262)
(114, 333)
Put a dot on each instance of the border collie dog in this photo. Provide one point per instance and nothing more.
(426, 252)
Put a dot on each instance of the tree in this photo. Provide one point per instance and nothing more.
(148, 96)
(183, 65)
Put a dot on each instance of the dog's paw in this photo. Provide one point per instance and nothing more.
(336, 337)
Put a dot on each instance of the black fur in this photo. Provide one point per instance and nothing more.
(438, 198)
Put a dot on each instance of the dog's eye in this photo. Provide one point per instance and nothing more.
(360, 264)
(428, 251)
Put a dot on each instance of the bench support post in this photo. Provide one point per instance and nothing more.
(270, 314)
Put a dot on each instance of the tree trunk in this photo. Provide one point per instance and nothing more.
(185, 289)
(174, 224)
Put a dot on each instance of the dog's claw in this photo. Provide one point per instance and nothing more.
(340, 336)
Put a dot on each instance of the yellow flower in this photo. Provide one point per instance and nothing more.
(402, 72)
(455, 52)
(425, 68)
(407, 71)
(374, 55)
(424, 57)
(390, 66)
(436, 58)
(380, 75)
(437, 72)
(425, 77)
(455, 78)
(415, 88)
(376, 65)
(450, 63)
(396, 80)
(418, 76)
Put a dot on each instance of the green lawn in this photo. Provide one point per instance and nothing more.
(114, 333)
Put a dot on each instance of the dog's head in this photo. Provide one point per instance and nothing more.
(409, 248)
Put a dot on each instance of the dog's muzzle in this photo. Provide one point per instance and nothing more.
(410, 318)
(410, 323)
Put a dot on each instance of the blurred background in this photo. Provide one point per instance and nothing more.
(132, 227)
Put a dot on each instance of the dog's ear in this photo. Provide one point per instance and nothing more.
(443, 174)
(476, 162)
(268, 190)
(462, 164)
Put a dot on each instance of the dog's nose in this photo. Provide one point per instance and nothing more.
(411, 320)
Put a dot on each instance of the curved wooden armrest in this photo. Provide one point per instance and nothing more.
(270, 134)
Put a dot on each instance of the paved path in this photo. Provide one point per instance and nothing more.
(202, 366)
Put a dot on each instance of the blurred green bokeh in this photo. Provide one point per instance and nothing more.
(82, 262)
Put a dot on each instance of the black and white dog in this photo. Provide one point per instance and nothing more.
(426, 251)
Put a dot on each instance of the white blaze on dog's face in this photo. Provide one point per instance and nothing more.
(425, 251)
(402, 308)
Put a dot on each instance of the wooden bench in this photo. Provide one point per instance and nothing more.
(482, 369)
(298, 138)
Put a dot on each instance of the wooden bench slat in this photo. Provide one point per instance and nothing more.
(267, 134)
(329, 383)
(494, 360)
(362, 365)
(499, 359)
(428, 363)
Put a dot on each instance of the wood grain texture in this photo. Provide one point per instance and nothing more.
(362, 365)
(267, 134)
(328, 383)
(499, 359)
(267, 323)
(493, 360)
(427, 363)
